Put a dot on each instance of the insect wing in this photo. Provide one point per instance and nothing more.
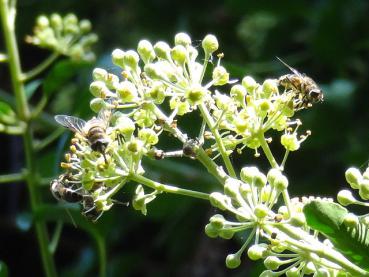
(71, 122)
(105, 115)
(290, 68)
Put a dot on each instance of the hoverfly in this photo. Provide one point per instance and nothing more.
(306, 91)
(94, 130)
(89, 209)
(61, 190)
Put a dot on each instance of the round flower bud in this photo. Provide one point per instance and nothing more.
(210, 231)
(238, 93)
(162, 50)
(148, 136)
(70, 19)
(146, 51)
(233, 261)
(42, 22)
(272, 175)
(99, 74)
(345, 198)
(88, 40)
(267, 273)
(182, 39)
(210, 44)
(125, 125)
(351, 220)
(364, 189)
(298, 220)
(152, 71)
(248, 174)
(98, 89)
(220, 76)
(226, 234)
(269, 87)
(290, 141)
(85, 25)
(131, 59)
(272, 263)
(257, 251)
(280, 182)
(266, 193)
(219, 200)
(56, 21)
(133, 146)
(264, 106)
(195, 95)
(261, 211)
(249, 84)
(126, 91)
(260, 180)
(310, 268)
(245, 189)
(293, 272)
(179, 54)
(231, 187)
(97, 104)
(157, 92)
(353, 177)
(117, 57)
(241, 124)
(217, 221)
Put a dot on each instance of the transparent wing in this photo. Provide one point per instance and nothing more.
(105, 115)
(71, 122)
(290, 68)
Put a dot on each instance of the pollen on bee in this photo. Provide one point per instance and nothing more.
(67, 157)
(73, 148)
(65, 165)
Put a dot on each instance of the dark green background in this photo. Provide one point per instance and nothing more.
(328, 40)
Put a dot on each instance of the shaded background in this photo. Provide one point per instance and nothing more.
(328, 40)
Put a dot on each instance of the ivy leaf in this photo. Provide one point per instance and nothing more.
(327, 218)
(7, 115)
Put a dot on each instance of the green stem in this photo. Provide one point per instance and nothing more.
(7, 20)
(210, 165)
(101, 250)
(264, 145)
(13, 177)
(222, 150)
(55, 239)
(12, 130)
(166, 188)
(49, 139)
(39, 68)
(205, 64)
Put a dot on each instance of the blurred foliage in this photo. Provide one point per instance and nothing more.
(326, 39)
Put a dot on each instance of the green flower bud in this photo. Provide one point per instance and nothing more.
(98, 89)
(293, 272)
(270, 87)
(272, 263)
(144, 118)
(266, 193)
(353, 177)
(219, 200)
(126, 91)
(241, 125)
(217, 221)
(157, 92)
(281, 182)
(152, 71)
(272, 175)
(211, 231)
(179, 54)
(42, 22)
(99, 74)
(125, 125)
(233, 261)
(226, 234)
(231, 187)
(210, 44)
(260, 180)
(131, 59)
(264, 105)
(220, 76)
(249, 84)
(290, 141)
(182, 39)
(322, 272)
(248, 174)
(364, 189)
(298, 220)
(267, 273)
(85, 26)
(148, 136)
(245, 189)
(134, 146)
(261, 211)
(56, 21)
(162, 50)
(89, 39)
(70, 19)
(310, 268)
(195, 95)
(238, 93)
(257, 251)
(146, 51)
(97, 104)
(117, 57)
(345, 198)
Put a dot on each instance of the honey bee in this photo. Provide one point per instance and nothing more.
(93, 130)
(61, 189)
(307, 92)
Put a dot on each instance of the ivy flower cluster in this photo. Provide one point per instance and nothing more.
(64, 35)
(157, 85)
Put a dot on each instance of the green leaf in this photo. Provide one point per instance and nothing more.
(327, 218)
(60, 74)
(7, 115)
(3, 269)
(31, 87)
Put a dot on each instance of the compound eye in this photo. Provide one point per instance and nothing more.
(316, 94)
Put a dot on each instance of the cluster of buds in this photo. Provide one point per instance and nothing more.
(64, 35)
